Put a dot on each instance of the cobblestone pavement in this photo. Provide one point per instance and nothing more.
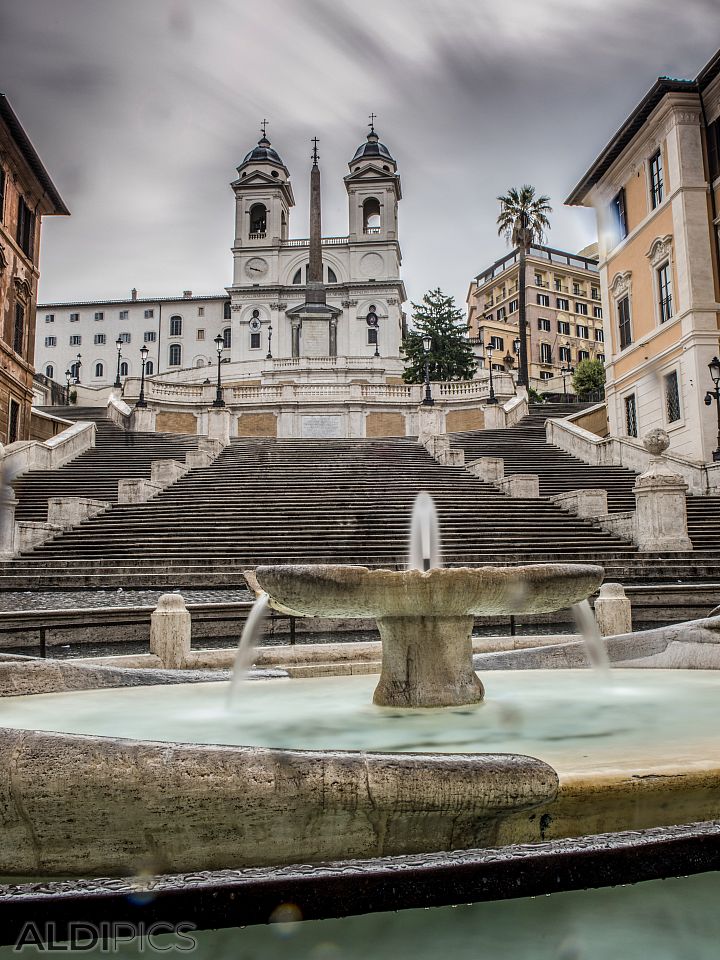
(14, 600)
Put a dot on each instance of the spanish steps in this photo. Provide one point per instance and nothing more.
(315, 501)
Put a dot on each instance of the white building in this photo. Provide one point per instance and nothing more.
(255, 316)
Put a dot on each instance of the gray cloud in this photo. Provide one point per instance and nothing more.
(142, 111)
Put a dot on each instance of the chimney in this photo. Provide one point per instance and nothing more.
(133, 294)
(187, 293)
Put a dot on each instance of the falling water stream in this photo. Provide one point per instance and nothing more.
(252, 631)
(594, 644)
(425, 553)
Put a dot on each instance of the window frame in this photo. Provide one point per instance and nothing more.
(630, 419)
(624, 323)
(656, 179)
(175, 349)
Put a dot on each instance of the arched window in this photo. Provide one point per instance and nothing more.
(371, 215)
(226, 310)
(175, 355)
(99, 370)
(332, 276)
(199, 362)
(258, 220)
(297, 279)
(124, 368)
(49, 371)
(75, 371)
(149, 368)
(227, 338)
(175, 326)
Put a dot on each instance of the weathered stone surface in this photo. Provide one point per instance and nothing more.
(490, 469)
(691, 645)
(159, 807)
(137, 490)
(219, 424)
(521, 486)
(613, 610)
(166, 472)
(586, 502)
(425, 619)
(660, 499)
(67, 512)
(171, 631)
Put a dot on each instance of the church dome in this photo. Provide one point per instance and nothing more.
(372, 148)
(263, 152)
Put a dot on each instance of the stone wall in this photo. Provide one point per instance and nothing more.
(458, 420)
(594, 420)
(43, 427)
(385, 425)
(257, 425)
(171, 421)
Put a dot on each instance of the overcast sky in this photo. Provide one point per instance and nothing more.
(142, 109)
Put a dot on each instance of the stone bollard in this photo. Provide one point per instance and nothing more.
(660, 504)
(8, 502)
(219, 422)
(171, 631)
(143, 420)
(431, 422)
(613, 611)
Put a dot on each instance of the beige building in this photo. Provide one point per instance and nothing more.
(26, 195)
(656, 189)
(564, 313)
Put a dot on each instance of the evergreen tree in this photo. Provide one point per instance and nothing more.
(451, 355)
(589, 379)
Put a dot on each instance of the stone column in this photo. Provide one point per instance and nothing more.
(613, 611)
(219, 420)
(295, 335)
(660, 504)
(170, 631)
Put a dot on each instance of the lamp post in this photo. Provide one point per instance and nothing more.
(564, 370)
(427, 344)
(377, 337)
(78, 364)
(118, 344)
(714, 367)
(68, 378)
(491, 396)
(269, 353)
(219, 345)
(142, 402)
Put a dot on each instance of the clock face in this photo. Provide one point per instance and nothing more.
(256, 267)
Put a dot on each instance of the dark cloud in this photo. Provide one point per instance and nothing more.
(142, 111)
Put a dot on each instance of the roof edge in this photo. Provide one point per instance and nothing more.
(31, 155)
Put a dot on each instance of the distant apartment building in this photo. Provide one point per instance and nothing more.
(656, 190)
(563, 306)
(26, 195)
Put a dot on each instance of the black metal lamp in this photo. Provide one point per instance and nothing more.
(489, 349)
(269, 353)
(78, 364)
(427, 346)
(566, 369)
(119, 345)
(68, 381)
(714, 367)
(142, 402)
(219, 346)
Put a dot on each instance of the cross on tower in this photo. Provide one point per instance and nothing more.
(315, 154)
(263, 126)
(372, 122)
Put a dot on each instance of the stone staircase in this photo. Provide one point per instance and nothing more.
(117, 454)
(525, 449)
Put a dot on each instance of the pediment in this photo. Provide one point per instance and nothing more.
(371, 171)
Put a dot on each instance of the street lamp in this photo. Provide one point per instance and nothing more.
(427, 344)
(118, 344)
(714, 367)
(219, 345)
(78, 364)
(564, 370)
(142, 402)
(68, 379)
(491, 396)
(269, 353)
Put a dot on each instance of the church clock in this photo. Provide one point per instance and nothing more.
(256, 267)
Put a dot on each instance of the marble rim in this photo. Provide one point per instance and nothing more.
(345, 590)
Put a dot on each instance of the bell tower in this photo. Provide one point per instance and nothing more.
(263, 197)
(373, 187)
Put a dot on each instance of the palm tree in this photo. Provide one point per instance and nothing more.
(523, 220)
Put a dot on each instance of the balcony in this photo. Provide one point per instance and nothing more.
(258, 236)
(373, 230)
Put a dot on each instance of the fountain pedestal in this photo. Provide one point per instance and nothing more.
(427, 662)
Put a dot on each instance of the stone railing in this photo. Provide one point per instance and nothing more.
(119, 412)
(18, 458)
(626, 452)
(305, 242)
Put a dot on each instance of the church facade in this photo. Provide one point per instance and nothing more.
(261, 316)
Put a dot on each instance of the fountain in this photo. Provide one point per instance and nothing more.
(168, 780)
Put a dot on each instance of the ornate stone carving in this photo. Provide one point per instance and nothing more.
(348, 303)
(22, 288)
(656, 442)
(279, 305)
(3, 258)
(660, 250)
(621, 284)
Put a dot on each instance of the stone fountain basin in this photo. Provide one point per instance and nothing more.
(325, 590)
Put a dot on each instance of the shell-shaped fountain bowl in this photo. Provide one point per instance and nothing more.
(327, 590)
